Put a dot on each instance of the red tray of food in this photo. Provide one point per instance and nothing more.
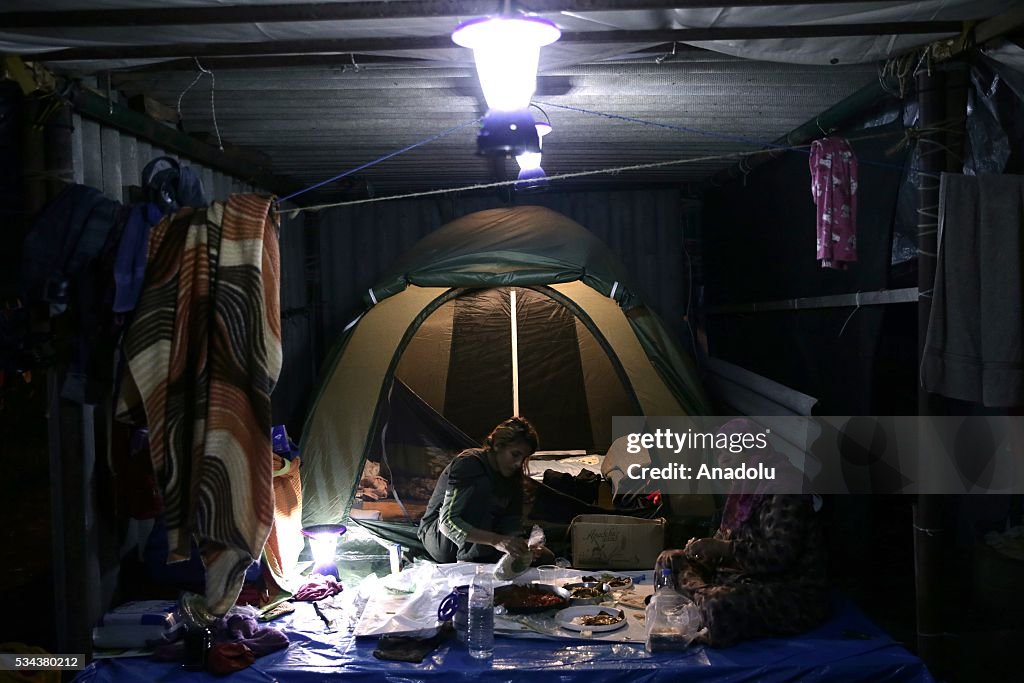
(530, 598)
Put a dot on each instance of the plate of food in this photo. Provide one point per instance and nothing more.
(530, 598)
(617, 583)
(611, 582)
(591, 618)
(585, 592)
(631, 599)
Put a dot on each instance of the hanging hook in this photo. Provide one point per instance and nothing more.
(345, 68)
(547, 118)
(199, 76)
(745, 169)
(852, 313)
(817, 121)
(667, 55)
(213, 99)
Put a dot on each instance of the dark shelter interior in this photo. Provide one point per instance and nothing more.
(264, 281)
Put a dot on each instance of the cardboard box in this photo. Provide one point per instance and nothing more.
(616, 542)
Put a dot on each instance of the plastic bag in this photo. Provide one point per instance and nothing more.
(509, 566)
(673, 621)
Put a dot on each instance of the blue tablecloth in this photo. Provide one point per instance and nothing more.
(847, 648)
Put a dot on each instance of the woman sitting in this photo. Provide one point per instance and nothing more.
(763, 572)
(476, 509)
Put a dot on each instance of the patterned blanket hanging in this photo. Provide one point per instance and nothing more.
(203, 355)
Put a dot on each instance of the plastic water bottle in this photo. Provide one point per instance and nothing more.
(669, 616)
(480, 636)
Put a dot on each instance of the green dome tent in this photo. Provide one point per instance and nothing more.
(506, 311)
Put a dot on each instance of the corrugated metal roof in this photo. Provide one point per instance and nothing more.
(317, 122)
(287, 81)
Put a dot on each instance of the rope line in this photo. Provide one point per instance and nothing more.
(504, 183)
(743, 156)
(187, 88)
(213, 101)
(669, 126)
(804, 149)
(380, 159)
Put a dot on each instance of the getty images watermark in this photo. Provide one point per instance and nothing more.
(828, 455)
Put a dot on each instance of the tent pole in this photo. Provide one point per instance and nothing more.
(515, 352)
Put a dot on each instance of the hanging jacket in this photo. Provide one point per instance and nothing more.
(833, 168)
(69, 233)
(171, 185)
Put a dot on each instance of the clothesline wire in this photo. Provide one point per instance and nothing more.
(670, 126)
(805, 149)
(928, 216)
(504, 183)
(903, 68)
(765, 147)
(577, 174)
(729, 138)
(213, 101)
(368, 164)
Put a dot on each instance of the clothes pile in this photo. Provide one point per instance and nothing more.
(238, 640)
(372, 486)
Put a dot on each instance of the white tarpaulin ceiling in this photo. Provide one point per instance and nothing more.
(831, 50)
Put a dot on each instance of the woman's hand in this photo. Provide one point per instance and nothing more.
(513, 545)
(709, 552)
(542, 555)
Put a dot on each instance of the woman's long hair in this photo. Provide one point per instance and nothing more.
(512, 430)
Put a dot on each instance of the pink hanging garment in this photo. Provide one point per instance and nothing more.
(834, 190)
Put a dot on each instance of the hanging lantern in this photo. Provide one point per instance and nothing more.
(531, 174)
(507, 51)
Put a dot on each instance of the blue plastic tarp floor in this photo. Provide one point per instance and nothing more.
(847, 648)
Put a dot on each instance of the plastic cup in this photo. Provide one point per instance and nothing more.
(548, 573)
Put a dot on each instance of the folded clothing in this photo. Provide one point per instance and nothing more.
(319, 586)
(134, 624)
(227, 658)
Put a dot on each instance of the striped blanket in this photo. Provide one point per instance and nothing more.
(203, 355)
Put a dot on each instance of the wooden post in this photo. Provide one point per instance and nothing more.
(928, 513)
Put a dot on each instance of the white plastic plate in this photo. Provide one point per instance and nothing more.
(564, 618)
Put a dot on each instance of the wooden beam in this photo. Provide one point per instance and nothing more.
(396, 44)
(1007, 25)
(998, 26)
(349, 11)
